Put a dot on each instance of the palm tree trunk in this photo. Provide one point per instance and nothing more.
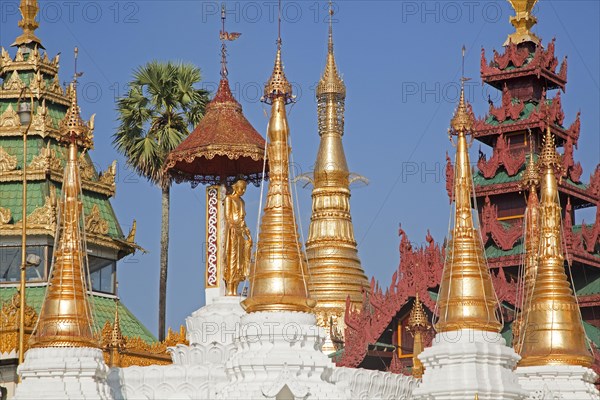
(164, 259)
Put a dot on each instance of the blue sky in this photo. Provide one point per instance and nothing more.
(401, 62)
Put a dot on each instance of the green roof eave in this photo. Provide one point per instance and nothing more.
(103, 309)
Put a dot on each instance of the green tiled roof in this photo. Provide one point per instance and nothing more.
(527, 110)
(103, 309)
(11, 192)
(592, 333)
(492, 251)
(591, 288)
(11, 195)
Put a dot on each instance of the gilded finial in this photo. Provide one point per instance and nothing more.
(466, 265)
(417, 318)
(417, 326)
(331, 82)
(72, 126)
(554, 333)
(463, 119)
(116, 335)
(531, 176)
(29, 10)
(523, 21)
(278, 85)
(548, 156)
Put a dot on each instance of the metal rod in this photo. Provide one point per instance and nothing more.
(24, 231)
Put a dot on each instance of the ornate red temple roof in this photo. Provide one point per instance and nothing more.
(222, 148)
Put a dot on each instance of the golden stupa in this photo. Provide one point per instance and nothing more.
(65, 318)
(530, 183)
(553, 332)
(331, 248)
(278, 276)
(466, 297)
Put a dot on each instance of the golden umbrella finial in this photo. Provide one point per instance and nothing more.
(466, 298)
(65, 317)
(553, 333)
(331, 82)
(278, 276)
(278, 85)
(523, 21)
(29, 10)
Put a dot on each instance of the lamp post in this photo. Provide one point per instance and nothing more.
(25, 111)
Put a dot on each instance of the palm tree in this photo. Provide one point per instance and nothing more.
(157, 113)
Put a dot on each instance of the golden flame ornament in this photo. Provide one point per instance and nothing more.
(523, 21)
(66, 318)
(466, 298)
(553, 332)
(29, 10)
(278, 276)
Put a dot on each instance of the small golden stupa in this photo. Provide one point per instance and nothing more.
(278, 276)
(66, 318)
(553, 332)
(466, 297)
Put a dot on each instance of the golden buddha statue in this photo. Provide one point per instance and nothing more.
(238, 241)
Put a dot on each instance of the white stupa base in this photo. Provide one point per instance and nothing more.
(551, 382)
(461, 364)
(63, 373)
(279, 356)
(370, 384)
(211, 332)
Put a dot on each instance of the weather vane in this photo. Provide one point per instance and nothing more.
(225, 36)
(76, 74)
(463, 79)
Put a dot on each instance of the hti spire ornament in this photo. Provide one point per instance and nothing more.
(466, 298)
(278, 276)
(29, 10)
(331, 248)
(553, 333)
(65, 317)
(523, 21)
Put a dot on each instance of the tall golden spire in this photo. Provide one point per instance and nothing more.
(417, 326)
(331, 249)
(553, 333)
(278, 276)
(65, 317)
(466, 297)
(29, 10)
(530, 182)
(523, 21)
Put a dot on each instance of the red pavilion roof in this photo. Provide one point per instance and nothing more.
(222, 148)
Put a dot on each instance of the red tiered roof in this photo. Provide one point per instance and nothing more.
(222, 148)
(521, 61)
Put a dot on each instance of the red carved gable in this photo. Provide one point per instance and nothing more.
(420, 269)
(491, 228)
